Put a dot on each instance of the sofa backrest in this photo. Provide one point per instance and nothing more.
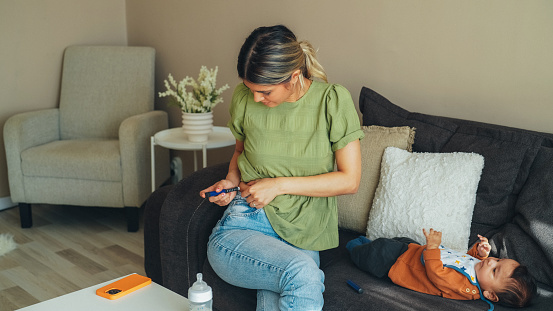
(514, 202)
(103, 85)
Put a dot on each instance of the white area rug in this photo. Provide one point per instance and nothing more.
(7, 243)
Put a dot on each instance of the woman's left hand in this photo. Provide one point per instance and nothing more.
(260, 192)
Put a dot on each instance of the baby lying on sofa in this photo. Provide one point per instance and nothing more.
(436, 270)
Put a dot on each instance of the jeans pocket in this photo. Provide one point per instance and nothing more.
(240, 210)
(243, 217)
(239, 215)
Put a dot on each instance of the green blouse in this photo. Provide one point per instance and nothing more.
(296, 139)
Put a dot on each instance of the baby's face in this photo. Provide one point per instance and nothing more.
(493, 273)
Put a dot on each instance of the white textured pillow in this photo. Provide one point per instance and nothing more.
(426, 190)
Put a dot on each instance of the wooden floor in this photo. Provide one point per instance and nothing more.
(67, 249)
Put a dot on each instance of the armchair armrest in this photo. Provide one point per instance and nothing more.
(23, 131)
(134, 142)
(185, 226)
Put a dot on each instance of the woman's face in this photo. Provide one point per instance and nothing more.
(270, 95)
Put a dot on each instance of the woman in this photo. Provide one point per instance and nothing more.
(290, 130)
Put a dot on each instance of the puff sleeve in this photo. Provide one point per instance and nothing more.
(343, 120)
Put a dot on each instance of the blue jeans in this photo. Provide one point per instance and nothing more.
(245, 251)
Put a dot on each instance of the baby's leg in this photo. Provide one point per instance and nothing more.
(406, 240)
(378, 256)
(358, 241)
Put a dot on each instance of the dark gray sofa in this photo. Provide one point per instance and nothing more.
(514, 208)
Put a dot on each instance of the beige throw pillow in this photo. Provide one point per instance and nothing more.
(353, 209)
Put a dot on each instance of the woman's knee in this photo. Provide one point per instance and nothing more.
(305, 269)
(303, 278)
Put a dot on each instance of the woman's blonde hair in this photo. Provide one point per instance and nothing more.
(270, 55)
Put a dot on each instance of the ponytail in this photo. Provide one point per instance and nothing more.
(312, 66)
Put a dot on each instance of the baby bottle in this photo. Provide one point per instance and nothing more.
(200, 295)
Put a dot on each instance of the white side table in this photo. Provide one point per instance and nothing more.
(150, 297)
(176, 139)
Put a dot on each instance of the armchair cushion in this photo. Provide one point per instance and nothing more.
(86, 159)
(103, 85)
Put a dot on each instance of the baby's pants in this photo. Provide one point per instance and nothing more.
(378, 256)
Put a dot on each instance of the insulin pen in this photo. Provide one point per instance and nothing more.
(215, 193)
(355, 287)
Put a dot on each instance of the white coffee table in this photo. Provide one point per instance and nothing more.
(176, 139)
(150, 297)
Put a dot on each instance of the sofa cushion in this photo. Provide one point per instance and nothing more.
(508, 158)
(377, 110)
(515, 243)
(353, 209)
(103, 85)
(532, 244)
(426, 190)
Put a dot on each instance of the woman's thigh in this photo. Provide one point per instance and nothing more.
(249, 259)
(245, 251)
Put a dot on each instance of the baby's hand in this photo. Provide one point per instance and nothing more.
(484, 247)
(433, 238)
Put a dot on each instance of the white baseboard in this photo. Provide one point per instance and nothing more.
(6, 202)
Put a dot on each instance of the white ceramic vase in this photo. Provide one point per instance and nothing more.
(197, 126)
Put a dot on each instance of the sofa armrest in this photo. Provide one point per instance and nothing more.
(185, 224)
(152, 209)
(21, 132)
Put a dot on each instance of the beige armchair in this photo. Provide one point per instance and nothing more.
(94, 150)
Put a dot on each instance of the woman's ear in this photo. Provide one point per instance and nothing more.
(294, 78)
(491, 296)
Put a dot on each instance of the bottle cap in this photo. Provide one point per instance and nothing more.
(200, 291)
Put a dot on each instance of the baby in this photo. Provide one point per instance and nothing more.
(436, 270)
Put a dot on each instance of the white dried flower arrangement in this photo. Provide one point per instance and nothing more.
(204, 95)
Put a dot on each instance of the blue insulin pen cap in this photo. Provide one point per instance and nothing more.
(355, 287)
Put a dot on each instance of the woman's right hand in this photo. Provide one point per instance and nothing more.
(222, 199)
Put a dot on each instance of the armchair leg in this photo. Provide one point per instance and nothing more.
(25, 215)
(131, 213)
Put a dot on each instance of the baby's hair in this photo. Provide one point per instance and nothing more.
(520, 290)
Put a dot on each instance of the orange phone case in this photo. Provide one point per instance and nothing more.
(123, 286)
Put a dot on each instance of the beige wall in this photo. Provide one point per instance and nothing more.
(488, 61)
(33, 35)
(482, 60)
